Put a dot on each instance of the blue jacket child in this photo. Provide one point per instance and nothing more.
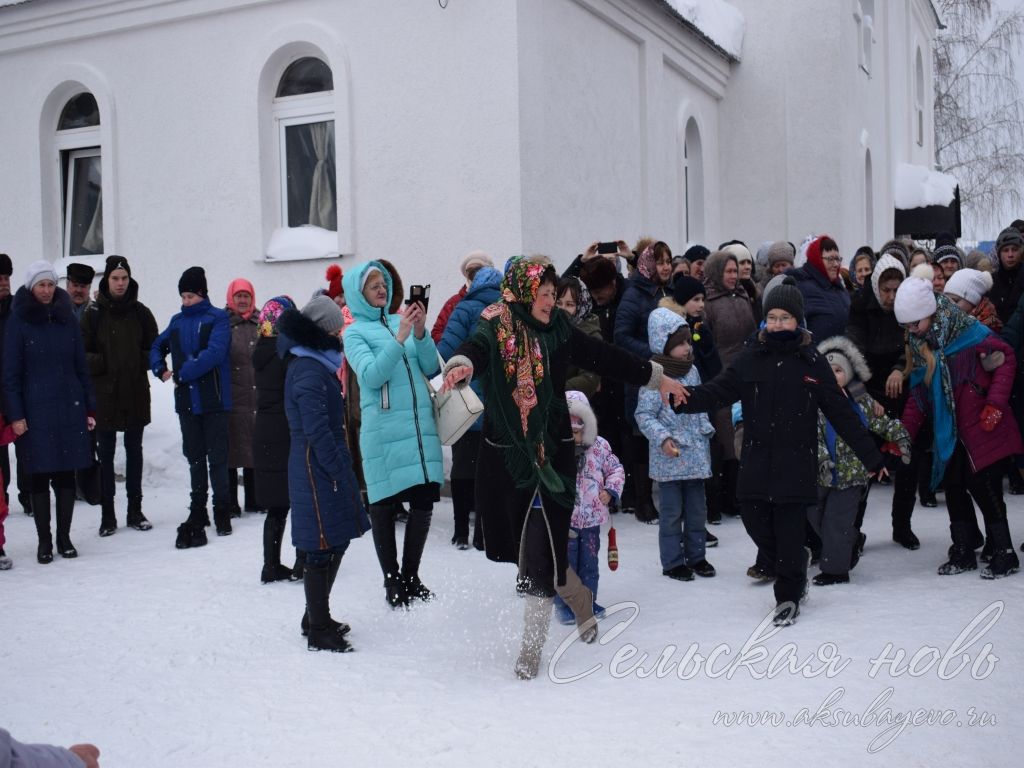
(680, 452)
(199, 339)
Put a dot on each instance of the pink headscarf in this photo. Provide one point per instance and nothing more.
(241, 284)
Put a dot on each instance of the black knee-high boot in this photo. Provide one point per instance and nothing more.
(65, 510)
(322, 635)
(332, 570)
(249, 491)
(416, 530)
(273, 533)
(40, 504)
(233, 509)
(382, 521)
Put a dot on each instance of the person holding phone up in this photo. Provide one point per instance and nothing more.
(391, 355)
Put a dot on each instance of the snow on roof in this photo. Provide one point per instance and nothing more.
(917, 187)
(720, 22)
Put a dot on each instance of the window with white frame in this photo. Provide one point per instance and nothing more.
(78, 141)
(303, 111)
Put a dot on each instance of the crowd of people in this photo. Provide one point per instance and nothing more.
(770, 384)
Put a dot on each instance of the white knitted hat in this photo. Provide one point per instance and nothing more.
(915, 299)
(37, 272)
(969, 284)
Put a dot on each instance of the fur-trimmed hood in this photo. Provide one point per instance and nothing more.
(296, 330)
(836, 346)
(579, 408)
(28, 308)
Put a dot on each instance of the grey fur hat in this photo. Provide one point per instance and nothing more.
(839, 350)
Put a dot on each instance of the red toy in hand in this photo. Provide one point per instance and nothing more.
(613, 550)
(990, 416)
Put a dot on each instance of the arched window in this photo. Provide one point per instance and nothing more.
(303, 110)
(919, 96)
(78, 141)
(693, 183)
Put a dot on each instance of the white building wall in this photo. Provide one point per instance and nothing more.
(433, 130)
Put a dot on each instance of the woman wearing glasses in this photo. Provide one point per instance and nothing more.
(826, 300)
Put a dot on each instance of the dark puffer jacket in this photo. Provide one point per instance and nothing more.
(118, 335)
(326, 508)
(880, 339)
(782, 385)
(270, 438)
(46, 382)
(1007, 290)
(826, 304)
(638, 301)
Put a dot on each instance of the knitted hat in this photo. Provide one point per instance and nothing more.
(740, 251)
(945, 252)
(6, 268)
(761, 257)
(1009, 236)
(696, 253)
(897, 249)
(80, 273)
(885, 262)
(686, 288)
(116, 262)
(598, 273)
(778, 251)
(915, 299)
(474, 259)
(37, 272)
(193, 280)
(968, 284)
(271, 313)
(325, 313)
(334, 289)
(770, 286)
(785, 296)
(840, 351)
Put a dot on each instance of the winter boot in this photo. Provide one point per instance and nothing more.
(300, 564)
(136, 519)
(249, 491)
(382, 526)
(65, 511)
(337, 626)
(234, 510)
(273, 532)
(645, 511)
(322, 635)
(828, 579)
(536, 620)
(730, 476)
(25, 499)
(901, 532)
(416, 529)
(5, 562)
(961, 554)
(192, 533)
(222, 519)
(580, 600)
(786, 614)
(108, 518)
(40, 505)
(712, 500)
(1004, 560)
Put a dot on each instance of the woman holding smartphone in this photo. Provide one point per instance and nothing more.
(391, 354)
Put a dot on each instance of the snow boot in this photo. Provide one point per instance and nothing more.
(382, 526)
(785, 614)
(273, 532)
(536, 621)
(1004, 560)
(300, 564)
(757, 573)
(679, 573)
(322, 635)
(961, 554)
(828, 579)
(40, 506)
(645, 511)
(703, 568)
(108, 518)
(25, 499)
(222, 519)
(901, 532)
(710, 540)
(5, 562)
(249, 490)
(136, 519)
(416, 529)
(65, 511)
(337, 626)
(580, 600)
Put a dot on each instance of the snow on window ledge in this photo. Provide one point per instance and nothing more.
(301, 243)
(918, 187)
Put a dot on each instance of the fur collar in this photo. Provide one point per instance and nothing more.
(28, 308)
(296, 330)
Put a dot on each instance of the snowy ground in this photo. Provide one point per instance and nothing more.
(182, 658)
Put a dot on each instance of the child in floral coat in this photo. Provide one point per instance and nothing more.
(680, 453)
(842, 478)
(599, 480)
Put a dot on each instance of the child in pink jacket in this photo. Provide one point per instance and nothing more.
(599, 481)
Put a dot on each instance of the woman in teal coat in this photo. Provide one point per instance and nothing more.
(391, 355)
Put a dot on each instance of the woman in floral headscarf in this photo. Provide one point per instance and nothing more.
(270, 441)
(521, 351)
(961, 376)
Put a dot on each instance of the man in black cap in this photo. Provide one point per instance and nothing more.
(79, 284)
(116, 328)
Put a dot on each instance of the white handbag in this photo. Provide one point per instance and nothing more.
(454, 410)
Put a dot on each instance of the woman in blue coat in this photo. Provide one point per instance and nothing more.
(49, 399)
(390, 355)
(483, 291)
(327, 512)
